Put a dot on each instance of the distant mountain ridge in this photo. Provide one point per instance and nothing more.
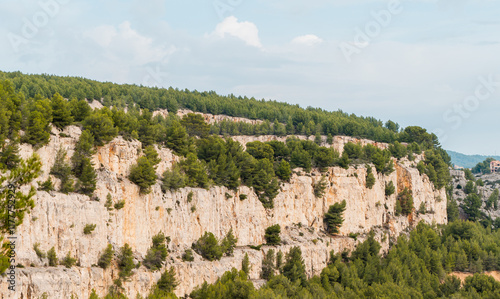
(468, 161)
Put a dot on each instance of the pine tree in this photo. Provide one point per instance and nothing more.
(52, 256)
(38, 130)
(88, 178)
(106, 257)
(228, 243)
(268, 265)
(126, 262)
(272, 235)
(370, 178)
(294, 268)
(143, 174)
(284, 172)
(245, 265)
(62, 171)
(173, 179)
(101, 126)
(83, 150)
(334, 218)
(61, 114)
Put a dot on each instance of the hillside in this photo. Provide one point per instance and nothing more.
(116, 200)
(467, 161)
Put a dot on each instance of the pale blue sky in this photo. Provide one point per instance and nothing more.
(420, 62)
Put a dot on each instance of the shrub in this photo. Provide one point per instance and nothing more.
(272, 235)
(268, 265)
(165, 285)
(190, 196)
(405, 200)
(106, 257)
(126, 262)
(188, 256)
(319, 187)
(173, 179)
(89, 228)
(390, 189)
(208, 247)
(109, 202)
(52, 256)
(62, 171)
(334, 218)
(47, 186)
(39, 252)
(119, 205)
(228, 243)
(245, 265)
(370, 178)
(68, 261)
(243, 196)
(157, 254)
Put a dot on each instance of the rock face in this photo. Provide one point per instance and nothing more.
(58, 221)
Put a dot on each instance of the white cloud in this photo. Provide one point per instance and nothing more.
(246, 31)
(125, 44)
(308, 40)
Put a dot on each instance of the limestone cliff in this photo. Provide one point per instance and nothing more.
(58, 220)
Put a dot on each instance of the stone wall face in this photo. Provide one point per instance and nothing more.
(58, 221)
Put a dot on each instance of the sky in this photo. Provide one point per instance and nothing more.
(431, 63)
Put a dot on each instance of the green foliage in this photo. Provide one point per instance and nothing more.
(245, 265)
(492, 201)
(284, 172)
(265, 184)
(482, 167)
(195, 171)
(157, 254)
(143, 174)
(208, 247)
(106, 257)
(62, 171)
(398, 150)
(38, 132)
(405, 200)
(100, 125)
(195, 125)
(61, 114)
(119, 205)
(11, 182)
(188, 256)
(268, 264)
(294, 268)
(88, 178)
(272, 235)
(39, 252)
(89, 228)
(452, 210)
(165, 286)
(468, 175)
(52, 257)
(390, 189)
(334, 218)
(83, 151)
(320, 187)
(68, 261)
(9, 156)
(79, 109)
(173, 179)
(47, 186)
(470, 187)
(233, 284)
(471, 206)
(370, 178)
(125, 262)
(228, 243)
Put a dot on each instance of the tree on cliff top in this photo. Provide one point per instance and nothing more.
(334, 218)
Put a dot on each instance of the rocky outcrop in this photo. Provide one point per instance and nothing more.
(58, 221)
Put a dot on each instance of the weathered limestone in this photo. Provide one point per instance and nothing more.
(58, 220)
